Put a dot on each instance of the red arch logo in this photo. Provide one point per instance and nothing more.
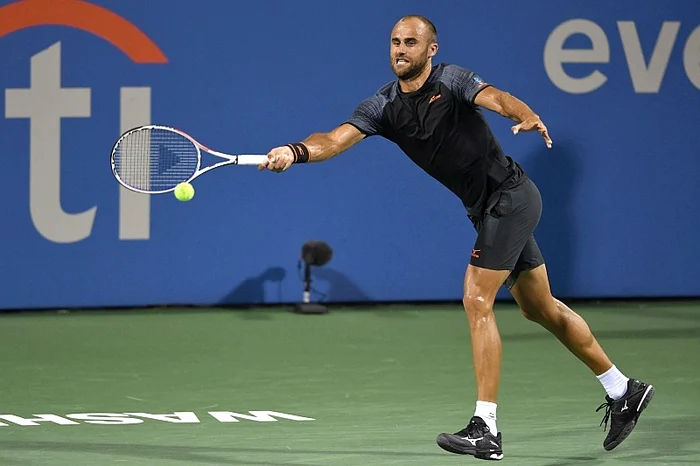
(85, 16)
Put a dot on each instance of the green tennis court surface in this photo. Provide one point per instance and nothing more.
(369, 386)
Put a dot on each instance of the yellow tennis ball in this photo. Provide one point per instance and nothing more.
(184, 192)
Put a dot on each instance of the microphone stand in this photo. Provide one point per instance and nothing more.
(307, 307)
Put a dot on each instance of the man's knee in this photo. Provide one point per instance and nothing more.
(534, 297)
(531, 307)
(480, 288)
(528, 314)
(476, 305)
(543, 309)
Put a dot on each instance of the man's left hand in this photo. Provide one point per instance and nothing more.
(533, 124)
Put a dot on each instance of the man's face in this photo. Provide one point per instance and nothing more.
(411, 48)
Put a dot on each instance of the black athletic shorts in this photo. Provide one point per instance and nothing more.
(505, 239)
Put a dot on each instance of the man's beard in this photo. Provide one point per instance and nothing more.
(412, 71)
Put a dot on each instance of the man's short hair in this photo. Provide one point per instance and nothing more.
(427, 22)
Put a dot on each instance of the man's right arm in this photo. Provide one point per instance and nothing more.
(365, 121)
(320, 147)
(323, 146)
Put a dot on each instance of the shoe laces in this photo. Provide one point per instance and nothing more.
(608, 411)
(474, 429)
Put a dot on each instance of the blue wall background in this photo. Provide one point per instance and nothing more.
(619, 186)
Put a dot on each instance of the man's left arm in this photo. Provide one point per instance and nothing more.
(511, 107)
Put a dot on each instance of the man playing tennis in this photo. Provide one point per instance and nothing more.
(433, 114)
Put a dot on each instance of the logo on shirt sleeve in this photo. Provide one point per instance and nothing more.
(479, 82)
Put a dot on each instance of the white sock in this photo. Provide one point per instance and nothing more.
(614, 382)
(487, 411)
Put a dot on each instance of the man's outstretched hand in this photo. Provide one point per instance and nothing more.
(533, 124)
(278, 160)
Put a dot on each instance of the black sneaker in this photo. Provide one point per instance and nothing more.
(625, 412)
(476, 439)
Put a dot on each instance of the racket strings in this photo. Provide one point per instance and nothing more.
(155, 159)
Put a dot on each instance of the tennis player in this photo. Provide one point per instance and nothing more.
(433, 113)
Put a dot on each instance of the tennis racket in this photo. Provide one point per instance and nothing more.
(155, 159)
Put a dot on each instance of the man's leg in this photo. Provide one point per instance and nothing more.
(626, 398)
(480, 289)
(532, 293)
(481, 437)
(504, 228)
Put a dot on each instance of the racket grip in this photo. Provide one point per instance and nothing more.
(251, 159)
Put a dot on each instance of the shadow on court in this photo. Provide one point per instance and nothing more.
(9, 462)
(662, 441)
(555, 460)
(671, 439)
(685, 311)
(639, 334)
(195, 455)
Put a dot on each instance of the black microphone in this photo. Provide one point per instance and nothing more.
(316, 253)
(313, 253)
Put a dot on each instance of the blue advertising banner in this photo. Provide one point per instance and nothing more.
(617, 84)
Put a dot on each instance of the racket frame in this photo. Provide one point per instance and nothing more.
(240, 159)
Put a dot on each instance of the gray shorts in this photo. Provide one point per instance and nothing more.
(505, 239)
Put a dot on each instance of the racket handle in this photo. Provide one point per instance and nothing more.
(251, 159)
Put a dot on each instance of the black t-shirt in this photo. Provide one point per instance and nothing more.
(441, 129)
